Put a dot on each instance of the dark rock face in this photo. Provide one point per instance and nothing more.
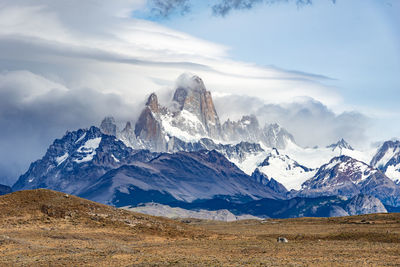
(341, 144)
(4, 189)
(186, 176)
(148, 128)
(195, 99)
(345, 176)
(271, 183)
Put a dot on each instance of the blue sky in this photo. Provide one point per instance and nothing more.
(357, 43)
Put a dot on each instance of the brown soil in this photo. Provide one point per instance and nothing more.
(47, 228)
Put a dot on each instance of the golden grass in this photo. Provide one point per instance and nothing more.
(45, 228)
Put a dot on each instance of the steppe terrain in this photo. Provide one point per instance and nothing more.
(47, 228)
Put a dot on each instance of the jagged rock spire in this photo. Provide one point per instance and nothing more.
(192, 96)
(148, 127)
(152, 103)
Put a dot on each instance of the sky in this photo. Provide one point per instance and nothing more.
(323, 70)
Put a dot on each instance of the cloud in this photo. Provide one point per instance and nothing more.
(311, 122)
(62, 68)
(34, 111)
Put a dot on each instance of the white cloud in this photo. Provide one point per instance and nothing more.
(102, 49)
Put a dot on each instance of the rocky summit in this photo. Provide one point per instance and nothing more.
(190, 117)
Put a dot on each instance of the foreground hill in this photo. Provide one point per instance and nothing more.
(43, 227)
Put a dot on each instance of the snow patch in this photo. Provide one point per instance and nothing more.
(393, 172)
(390, 153)
(88, 150)
(80, 138)
(115, 159)
(62, 158)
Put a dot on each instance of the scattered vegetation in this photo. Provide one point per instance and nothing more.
(43, 227)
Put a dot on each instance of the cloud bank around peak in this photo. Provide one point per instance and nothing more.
(311, 122)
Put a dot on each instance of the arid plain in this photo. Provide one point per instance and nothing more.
(47, 228)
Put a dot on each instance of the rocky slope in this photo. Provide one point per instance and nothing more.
(345, 176)
(387, 159)
(183, 176)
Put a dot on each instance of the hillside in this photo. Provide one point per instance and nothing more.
(43, 227)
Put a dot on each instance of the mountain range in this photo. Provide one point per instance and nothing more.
(180, 152)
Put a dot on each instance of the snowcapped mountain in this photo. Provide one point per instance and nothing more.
(340, 145)
(100, 167)
(387, 159)
(78, 160)
(285, 170)
(318, 156)
(248, 129)
(190, 118)
(345, 176)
